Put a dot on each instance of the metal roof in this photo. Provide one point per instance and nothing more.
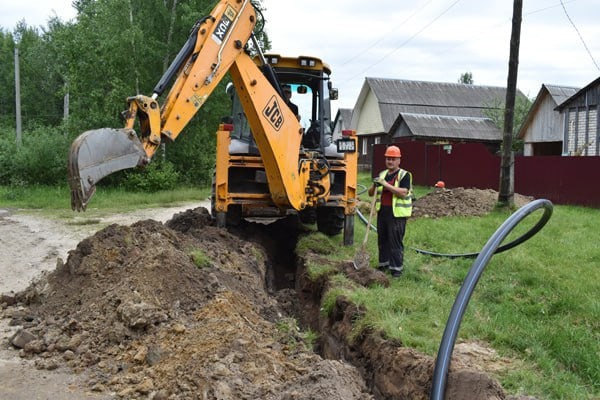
(345, 116)
(397, 96)
(437, 95)
(589, 87)
(560, 93)
(451, 127)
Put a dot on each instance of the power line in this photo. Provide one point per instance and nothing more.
(580, 37)
(478, 35)
(406, 41)
(360, 54)
(491, 28)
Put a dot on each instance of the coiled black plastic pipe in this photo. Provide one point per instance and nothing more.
(442, 363)
(462, 299)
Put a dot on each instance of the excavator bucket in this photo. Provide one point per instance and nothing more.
(98, 153)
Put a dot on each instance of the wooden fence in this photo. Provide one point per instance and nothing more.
(562, 180)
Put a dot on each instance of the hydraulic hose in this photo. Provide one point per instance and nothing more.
(444, 356)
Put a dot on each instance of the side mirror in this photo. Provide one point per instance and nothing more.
(302, 89)
(333, 94)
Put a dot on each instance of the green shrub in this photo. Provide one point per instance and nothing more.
(41, 159)
(158, 175)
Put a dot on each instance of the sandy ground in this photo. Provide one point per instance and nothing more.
(30, 244)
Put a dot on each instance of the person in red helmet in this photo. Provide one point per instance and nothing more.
(393, 186)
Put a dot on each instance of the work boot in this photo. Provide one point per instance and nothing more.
(396, 273)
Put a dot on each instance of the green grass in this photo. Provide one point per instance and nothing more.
(201, 259)
(58, 200)
(537, 304)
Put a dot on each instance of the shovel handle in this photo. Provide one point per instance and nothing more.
(371, 213)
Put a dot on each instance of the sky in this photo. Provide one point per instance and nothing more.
(428, 40)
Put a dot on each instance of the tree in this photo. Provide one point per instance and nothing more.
(497, 110)
(466, 78)
(113, 49)
(41, 81)
(7, 79)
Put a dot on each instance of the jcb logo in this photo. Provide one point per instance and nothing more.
(273, 113)
(224, 24)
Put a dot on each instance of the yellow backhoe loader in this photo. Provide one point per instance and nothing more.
(269, 161)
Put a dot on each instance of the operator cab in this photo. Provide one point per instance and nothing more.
(311, 91)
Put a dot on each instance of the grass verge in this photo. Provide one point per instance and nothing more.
(536, 305)
(56, 199)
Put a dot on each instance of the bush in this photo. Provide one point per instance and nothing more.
(193, 155)
(41, 159)
(158, 175)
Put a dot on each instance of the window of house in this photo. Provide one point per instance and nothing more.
(364, 146)
(377, 140)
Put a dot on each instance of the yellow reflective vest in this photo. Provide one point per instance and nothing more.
(401, 207)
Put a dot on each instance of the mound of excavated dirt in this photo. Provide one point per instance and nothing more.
(131, 306)
(185, 310)
(460, 201)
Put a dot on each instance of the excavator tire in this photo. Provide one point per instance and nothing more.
(330, 220)
(308, 216)
(233, 216)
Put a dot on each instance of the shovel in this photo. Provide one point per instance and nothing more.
(361, 258)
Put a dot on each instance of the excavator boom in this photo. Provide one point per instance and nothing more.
(267, 164)
(214, 44)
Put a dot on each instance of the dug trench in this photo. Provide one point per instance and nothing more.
(186, 310)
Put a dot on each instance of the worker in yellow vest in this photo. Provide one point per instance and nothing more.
(394, 206)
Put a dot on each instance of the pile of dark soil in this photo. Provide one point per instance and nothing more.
(460, 201)
(131, 307)
(185, 310)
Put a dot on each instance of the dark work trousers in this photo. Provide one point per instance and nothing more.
(390, 236)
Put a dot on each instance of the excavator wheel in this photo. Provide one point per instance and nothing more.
(308, 216)
(233, 216)
(330, 220)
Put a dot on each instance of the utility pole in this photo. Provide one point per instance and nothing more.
(66, 106)
(18, 98)
(506, 194)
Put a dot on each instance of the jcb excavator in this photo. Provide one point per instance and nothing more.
(267, 164)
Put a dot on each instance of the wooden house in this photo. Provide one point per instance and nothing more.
(391, 109)
(581, 130)
(542, 130)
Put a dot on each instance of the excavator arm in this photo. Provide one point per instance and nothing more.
(215, 44)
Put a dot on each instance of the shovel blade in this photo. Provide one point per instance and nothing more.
(361, 260)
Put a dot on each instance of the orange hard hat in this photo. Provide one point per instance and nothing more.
(440, 184)
(392, 151)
